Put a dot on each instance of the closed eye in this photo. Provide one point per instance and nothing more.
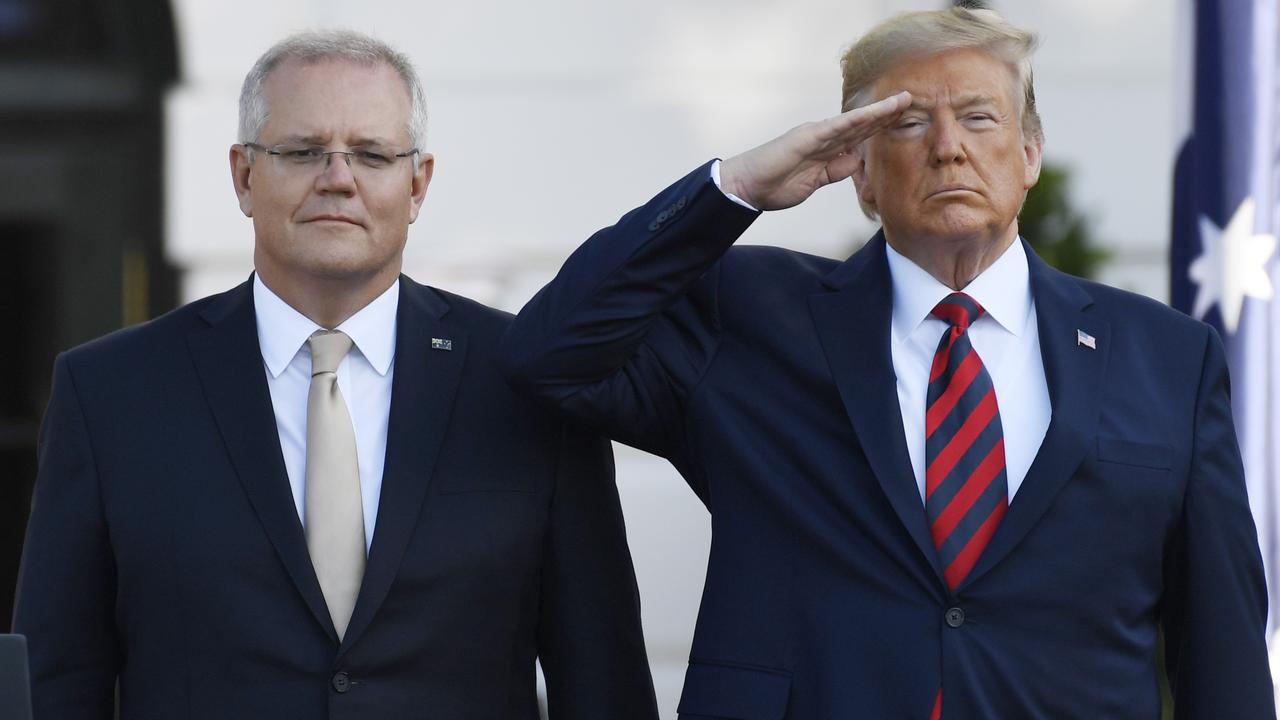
(300, 154)
(374, 158)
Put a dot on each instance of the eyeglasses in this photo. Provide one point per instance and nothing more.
(312, 159)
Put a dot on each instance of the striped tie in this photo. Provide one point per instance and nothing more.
(966, 489)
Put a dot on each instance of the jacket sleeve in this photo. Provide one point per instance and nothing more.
(67, 583)
(1215, 608)
(629, 324)
(590, 641)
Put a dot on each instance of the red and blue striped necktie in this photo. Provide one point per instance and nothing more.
(966, 486)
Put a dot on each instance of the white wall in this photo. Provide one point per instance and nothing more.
(551, 119)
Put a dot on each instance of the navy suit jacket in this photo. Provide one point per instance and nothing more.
(165, 549)
(765, 376)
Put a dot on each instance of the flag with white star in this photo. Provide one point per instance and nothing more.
(1226, 215)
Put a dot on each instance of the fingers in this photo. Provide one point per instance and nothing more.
(849, 129)
(842, 167)
(786, 170)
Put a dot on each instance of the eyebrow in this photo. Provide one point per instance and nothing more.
(322, 140)
(964, 101)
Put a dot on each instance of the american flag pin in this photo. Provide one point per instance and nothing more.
(1085, 339)
(446, 344)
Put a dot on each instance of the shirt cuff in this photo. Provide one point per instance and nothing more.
(715, 178)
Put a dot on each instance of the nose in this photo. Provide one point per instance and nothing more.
(946, 145)
(337, 176)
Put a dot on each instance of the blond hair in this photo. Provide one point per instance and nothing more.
(927, 33)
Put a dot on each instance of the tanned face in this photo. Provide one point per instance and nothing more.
(955, 167)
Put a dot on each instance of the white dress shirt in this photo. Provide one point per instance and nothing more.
(364, 377)
(1006, 337)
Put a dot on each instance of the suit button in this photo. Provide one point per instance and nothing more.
(341, 682)
(955, 617)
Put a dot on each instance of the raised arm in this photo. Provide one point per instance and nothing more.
(624, 332)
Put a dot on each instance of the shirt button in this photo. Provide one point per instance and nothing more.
(341, 682)
(955, 617)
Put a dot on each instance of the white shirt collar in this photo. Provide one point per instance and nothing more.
(282, 330)
(1003, 290)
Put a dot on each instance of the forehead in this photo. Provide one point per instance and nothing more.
(336, 99)
(967, 73)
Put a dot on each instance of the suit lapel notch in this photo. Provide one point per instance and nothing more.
(430, 357)
(1074, 371)
(229, 363)
(853, 325)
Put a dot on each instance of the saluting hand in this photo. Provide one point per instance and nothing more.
(788, 169)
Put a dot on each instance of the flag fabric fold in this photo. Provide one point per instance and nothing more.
(1226, 215)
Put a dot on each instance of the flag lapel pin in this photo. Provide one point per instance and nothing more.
(441, 344)
(1084, 339)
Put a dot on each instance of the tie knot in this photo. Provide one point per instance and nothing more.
(958, 310)
(328, 347)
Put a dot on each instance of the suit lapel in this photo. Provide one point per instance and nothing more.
(1074, 375)
(853, 324)
(229, 362)
(423, 389)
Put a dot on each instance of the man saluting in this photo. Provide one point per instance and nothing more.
(945, 479)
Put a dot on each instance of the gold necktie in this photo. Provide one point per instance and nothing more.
(334, 515)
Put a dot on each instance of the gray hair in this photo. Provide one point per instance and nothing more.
(918, 34)
(319, 46)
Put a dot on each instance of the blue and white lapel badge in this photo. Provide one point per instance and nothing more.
(441, 344)
(1084, 339)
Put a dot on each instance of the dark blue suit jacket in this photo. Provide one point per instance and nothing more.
(765, 376)
(165, 548)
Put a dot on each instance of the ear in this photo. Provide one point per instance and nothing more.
(242, 177)
(859, 176)
(1033, 153)
(421, 179)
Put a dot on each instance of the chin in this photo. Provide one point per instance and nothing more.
(962, 223)
(339, 268)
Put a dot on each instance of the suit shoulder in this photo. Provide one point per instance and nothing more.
(760, 266)
(1143, 315)
(778, 260)
(1127, 301)
(145, 340)
(479, 320)
(484, 326)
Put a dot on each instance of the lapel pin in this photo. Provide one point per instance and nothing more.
(444, 344)
(1085, 339)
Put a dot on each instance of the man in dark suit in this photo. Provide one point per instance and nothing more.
(945, 480)
(313, 496)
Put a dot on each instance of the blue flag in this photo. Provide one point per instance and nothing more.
(1226, 214)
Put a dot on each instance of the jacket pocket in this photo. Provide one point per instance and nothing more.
(734, 693)
(1127, 452)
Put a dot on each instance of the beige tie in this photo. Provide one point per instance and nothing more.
(334, 516)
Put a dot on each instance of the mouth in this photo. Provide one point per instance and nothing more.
(337, 219)
(952, 191)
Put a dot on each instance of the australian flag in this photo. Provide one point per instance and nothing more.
(1226, 215)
